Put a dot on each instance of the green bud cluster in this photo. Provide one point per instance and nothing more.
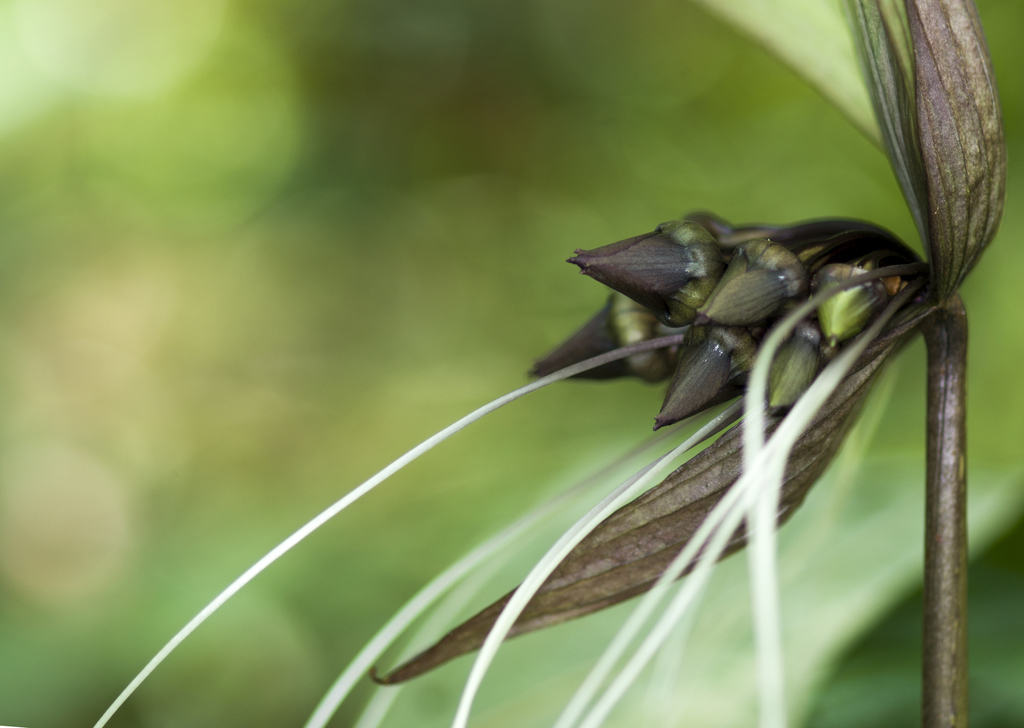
(728, 286)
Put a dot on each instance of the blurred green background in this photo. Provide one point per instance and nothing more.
(252, 250)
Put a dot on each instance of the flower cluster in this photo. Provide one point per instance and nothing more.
(728, 286)
(836, 289)
(717, 293)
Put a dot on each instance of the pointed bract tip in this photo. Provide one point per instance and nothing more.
(669, 272)
(594, 338)
(377, 678)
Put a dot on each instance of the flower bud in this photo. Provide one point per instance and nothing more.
(762, 278)
(795, 366)
(621, 322)
(713, 357)
(632, 323)
(670, 271)
(847, 313)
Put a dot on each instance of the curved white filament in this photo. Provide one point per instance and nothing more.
(430, 593)
(547, 564)
(354, 495)
(598, 674)
(378, 707)
(730, 514)
(763, 516)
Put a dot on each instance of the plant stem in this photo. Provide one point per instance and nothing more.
(944, 683)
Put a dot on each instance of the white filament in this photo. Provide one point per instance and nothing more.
(354, 495)
(430, 593)
(549, 562)
(382, 700)
(649, 602)
(416, 606)
(763, 519)
(728, 514)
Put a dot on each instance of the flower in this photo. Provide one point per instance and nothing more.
(626, 554)
(933, 90)
(940, 121)
(762, 278)
(670, 271)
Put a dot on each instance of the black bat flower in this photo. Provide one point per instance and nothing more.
(934, 94)
(799, 320)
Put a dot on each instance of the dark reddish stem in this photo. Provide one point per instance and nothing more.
(944, 684)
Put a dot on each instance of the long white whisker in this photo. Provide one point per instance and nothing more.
(763, 517)
(430, 593)
(422, 601)
(658, 700)
(585, 693)
(764, 587)
(311, 526)
(723, 520)
(549, 562)
(378, 707)
(729, 512)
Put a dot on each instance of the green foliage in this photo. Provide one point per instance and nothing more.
(235, 283)
(813, 38)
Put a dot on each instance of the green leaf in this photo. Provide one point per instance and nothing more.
(812, 38)
(961, 136)
(883, 45)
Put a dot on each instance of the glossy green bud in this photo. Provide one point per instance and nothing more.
(762, 279)
(796, 365)
(621, 322)
(712, 358)
(670, 271)
(847, 313)
(632, 323)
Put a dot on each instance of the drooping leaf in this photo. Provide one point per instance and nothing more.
(961, 135)
(626, 554)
